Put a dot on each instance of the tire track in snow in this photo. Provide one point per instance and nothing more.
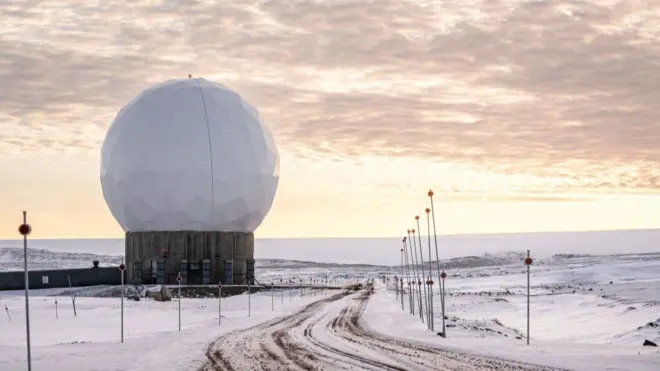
(415, 356)
(323, 337)
(266, 346)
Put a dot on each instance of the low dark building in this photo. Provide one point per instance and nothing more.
(44, 279)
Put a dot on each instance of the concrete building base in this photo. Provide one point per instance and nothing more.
(202, 257)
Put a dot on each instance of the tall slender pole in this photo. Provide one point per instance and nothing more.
(443, 275)
(441, 282)
(428, 224)
(401, 284)
(421, 262)
(431, 318)
(401, 279)
(73, 296)
(249, 299)
(419, 288)
(396, 287)
(413, 253)
(528, 262)
(219, 303)
(122, 304)
(282, 291)
(179, 279)
(411, 285)
(25, 230)
(410, 294)
(401, 262)
(272, 295)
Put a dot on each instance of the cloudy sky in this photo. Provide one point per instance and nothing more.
(521, 115)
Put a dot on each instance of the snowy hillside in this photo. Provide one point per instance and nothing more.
(12, 259)
(385, 251)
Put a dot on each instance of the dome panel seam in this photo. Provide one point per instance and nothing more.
(208, 133)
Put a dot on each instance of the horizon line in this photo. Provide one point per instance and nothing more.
(379, 237)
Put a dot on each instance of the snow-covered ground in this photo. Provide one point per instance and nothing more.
(91, 340)
(384, 315)
(588, 299)
(587, 313)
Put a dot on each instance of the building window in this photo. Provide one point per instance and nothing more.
(184, 271)
(137, 271)
(206, 271)
(161, 272)
(154, 269)
(229, 272)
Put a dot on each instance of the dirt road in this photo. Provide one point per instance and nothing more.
(327, 335)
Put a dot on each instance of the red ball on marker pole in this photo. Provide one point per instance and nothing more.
(24, 229)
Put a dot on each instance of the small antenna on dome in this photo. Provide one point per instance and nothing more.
(189, 76)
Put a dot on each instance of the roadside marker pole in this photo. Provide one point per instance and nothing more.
(219, 304)
(431, 318)
(401, 281)
(419, 291)
(272, 294)
(122, 268)
(431, 311)
(419, 288)
(73, 296)
(443, 275)
(396, 288)
(56, 314)
(421, 265)
(179, 278)
(441, 278)
(407, 265)
(528, 262)
(411, 286)
(402, 308)
(249, 299)
(25, 229)
(282, 291)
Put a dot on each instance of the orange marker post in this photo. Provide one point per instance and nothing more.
(528, 263)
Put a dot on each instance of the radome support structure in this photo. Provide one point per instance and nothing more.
(202, 258)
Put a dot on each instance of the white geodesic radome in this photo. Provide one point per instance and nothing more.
(189, 155)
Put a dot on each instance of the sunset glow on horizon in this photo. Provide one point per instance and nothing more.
(521, 116)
